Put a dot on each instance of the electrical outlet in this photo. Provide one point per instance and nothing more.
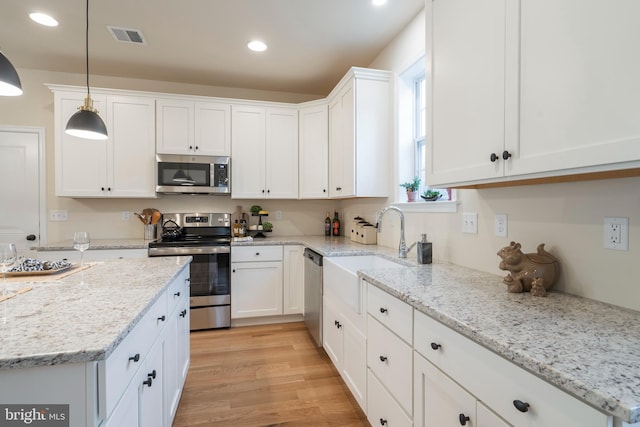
(278, 215)
(616, 233)
(126, 215)
(58, 215)
(470, 223)
(501, 225)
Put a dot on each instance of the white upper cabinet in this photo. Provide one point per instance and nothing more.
(193, 127)
(314, 151)
(360, 134)
(531, 89)
(579, 85)
(121, 166)
(265, 152)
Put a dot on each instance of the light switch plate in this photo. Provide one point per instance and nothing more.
(470, 223)
(616, 233)
(501, 225)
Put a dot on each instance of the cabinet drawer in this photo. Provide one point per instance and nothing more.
(382, 409)
(498, 382)
(391, 360)
(124, 362)
(256, 253)
(391, 312)
(177, 290)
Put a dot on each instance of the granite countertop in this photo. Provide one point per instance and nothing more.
(67, 245)
(586, 348)
(66, 321)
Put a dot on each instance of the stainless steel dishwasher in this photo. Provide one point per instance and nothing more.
(313, 294)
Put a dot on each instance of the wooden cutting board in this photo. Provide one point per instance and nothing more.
(38, 277)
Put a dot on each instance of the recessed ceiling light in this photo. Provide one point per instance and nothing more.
(378, 2)
(257, 46)
(43, 19)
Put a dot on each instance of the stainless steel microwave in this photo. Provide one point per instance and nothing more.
(193, 174)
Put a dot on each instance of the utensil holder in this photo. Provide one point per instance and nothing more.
(150, 231)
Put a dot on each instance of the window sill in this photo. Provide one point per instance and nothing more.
(448, 206)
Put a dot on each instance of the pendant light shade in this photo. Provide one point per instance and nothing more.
(9, 80)
(86, 123)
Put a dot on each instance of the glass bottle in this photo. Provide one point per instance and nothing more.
(327, 225)
(336, 224)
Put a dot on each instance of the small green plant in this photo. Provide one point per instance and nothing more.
(429, 194)
(412, 186)
(266, 226)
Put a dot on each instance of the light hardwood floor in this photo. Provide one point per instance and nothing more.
(269, 375)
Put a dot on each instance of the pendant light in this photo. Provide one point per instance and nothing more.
(86, 123)
(9, 80)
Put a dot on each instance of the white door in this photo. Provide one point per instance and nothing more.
(20, 185)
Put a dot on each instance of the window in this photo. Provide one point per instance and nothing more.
(412, 135)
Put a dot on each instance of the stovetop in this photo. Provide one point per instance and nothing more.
(198, 233)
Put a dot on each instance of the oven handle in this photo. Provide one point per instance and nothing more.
(199, 250)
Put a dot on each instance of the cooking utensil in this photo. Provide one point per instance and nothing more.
(155, 217)
(140, 217)
(147, 212)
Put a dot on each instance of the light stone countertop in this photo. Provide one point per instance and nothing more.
(589, 349)
(65, 321)
(96, 244)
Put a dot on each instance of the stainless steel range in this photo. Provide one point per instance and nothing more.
(207, 238)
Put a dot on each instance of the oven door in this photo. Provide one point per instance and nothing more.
(210, 275)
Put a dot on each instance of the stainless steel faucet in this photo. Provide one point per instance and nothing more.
(402, 249)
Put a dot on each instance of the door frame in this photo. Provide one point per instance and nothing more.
(42, 178)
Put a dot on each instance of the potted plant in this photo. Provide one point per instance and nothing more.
(412, 188)
(431, 195)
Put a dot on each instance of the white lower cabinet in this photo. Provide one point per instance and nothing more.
(346, 346)
(384, 410)
(266, 280)
(438, 401)
(517, 396)
(150, 395)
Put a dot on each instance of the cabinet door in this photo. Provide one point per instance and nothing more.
(354, 366)
(314, 152)
(579, 84)
(184, 343)
(332, 325)
(131, 157)
(150, 388)
(81, 164)
(486, 418)
(126, 412)
(466, 112)
(248, 152)
(281, 155)
(175, 125)
(212, 129)
(170, 368)
(438, 401)
(293, 281)
(256, 289)
(342, 144)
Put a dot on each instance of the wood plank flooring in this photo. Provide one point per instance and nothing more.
(268, 375)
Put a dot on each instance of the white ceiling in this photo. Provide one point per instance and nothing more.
(312, 43)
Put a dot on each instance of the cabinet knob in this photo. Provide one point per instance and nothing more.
(197, 147)
(383, 422)
(191, 147)
(383, 310)
(268, 191)
(435, 346)
(257, 253)
(324, 190)
(383, 358)
(233, 271)
(148, 382)
(493, 157)
(183, 313)
(338, 325)
(31, 237)
(162, 318)
(262, 191)
(101, 188)
(338, 188)
(152, 374)
(177, 294)
(108, 188)
(506, 155)
(463, 419)
(135, 358)
(521, 406)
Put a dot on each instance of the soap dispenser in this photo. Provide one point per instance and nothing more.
(424, 250)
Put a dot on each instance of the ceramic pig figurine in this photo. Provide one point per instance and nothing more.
(534, 273)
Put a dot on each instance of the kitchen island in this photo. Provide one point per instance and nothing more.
(71, 336)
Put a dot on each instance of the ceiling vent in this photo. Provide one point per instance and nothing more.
(127, 35)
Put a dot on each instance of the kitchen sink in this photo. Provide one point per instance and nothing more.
(340, 278)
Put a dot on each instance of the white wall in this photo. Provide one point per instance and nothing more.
(568, 217)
